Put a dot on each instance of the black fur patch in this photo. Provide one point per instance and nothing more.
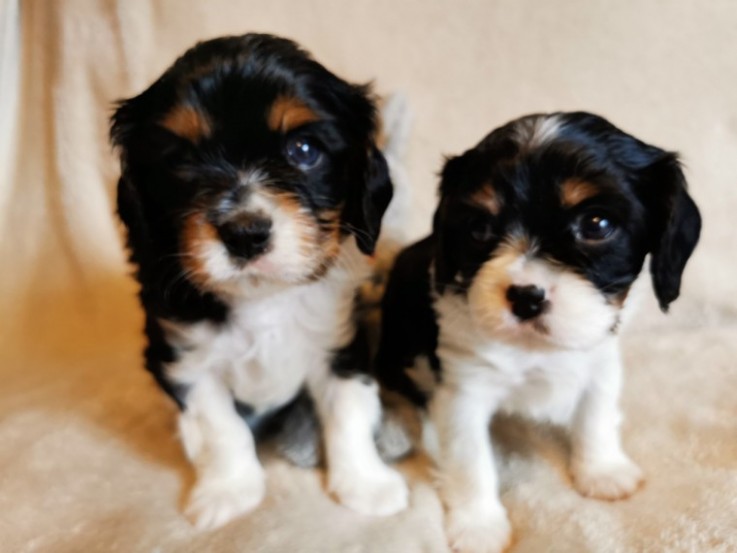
(408, 327)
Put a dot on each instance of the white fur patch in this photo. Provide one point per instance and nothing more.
(533, 132)
(568, 370)
(277, 340)
(350, 411)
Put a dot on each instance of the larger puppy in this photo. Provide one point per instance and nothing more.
(253, 192)
(516, 299)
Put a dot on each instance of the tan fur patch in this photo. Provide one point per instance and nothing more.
(573, 192)
(188, 122)
(196, 233)
(487, 198)
(619, 299)
(520, 245)
(330, 238)
(320, 237)
(308, 229)
(288, 113)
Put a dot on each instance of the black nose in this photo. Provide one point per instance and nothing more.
(246, 236)
(527, 301)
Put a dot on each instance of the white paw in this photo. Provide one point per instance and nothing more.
(215, 502)
(381, 492)
(470, 532)
(609, 480)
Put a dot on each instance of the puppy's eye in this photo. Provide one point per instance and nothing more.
(303, 153)
(595, 227)
(481, 230)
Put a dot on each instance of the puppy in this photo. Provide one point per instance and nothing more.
(252, 191)
(516, 299)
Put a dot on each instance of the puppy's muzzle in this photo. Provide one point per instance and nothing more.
(527, 302)
(246, 236)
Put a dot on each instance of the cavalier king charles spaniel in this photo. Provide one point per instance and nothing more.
(515, 301)
(253, 190)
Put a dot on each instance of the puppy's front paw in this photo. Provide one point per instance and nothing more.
(381, 492)
(470, 532)
(610, 480)
(215, 502)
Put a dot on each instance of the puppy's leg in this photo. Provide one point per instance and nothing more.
(230, 480)
(600, 467)
(350, 411)
(476, 521)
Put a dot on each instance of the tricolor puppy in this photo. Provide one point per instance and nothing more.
(515, 300)
(252, 191)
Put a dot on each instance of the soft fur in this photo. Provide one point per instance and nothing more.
(516, 299)
(252, 190)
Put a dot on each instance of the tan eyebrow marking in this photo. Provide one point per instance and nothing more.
(287, 113)
(574, 191)
(188, 122)
(487, 198)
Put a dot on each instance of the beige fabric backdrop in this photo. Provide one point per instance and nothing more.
(88, 456)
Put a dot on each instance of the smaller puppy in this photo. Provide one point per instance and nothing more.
(515, 300)
(252, 190)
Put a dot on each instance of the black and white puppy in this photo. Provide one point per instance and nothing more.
(253, 191)
(515, 300)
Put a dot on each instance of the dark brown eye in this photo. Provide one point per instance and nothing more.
(595, 227)
(481, 230)
(303, 153)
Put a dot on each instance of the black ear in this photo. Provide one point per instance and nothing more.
(675, 225)
(139, 143)
(453, 174)
(130, 211)
(673, 220)
(368, 200)
(459, 176)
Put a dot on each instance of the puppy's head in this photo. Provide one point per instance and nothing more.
(248, 160)
(546, 223)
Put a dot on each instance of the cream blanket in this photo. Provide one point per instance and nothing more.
(89, 460)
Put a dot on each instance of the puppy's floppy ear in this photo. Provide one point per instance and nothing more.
(130, 211)
(675, 225)
(457, 173)
(368, 199)
(138, 142)
(674, 222)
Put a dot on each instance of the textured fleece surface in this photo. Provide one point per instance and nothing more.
(89, 459)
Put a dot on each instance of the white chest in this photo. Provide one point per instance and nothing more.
(269, 346)
(544, 384)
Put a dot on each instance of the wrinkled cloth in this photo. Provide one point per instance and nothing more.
(89, 458)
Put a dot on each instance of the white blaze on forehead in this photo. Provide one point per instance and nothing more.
(536, 131)
(252, 177)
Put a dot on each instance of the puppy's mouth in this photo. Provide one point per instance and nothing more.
(539, 326)
(531, 331)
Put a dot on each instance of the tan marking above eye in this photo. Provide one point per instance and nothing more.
(288, 113)
(487, 198)
(188, 122)
(573, 192)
